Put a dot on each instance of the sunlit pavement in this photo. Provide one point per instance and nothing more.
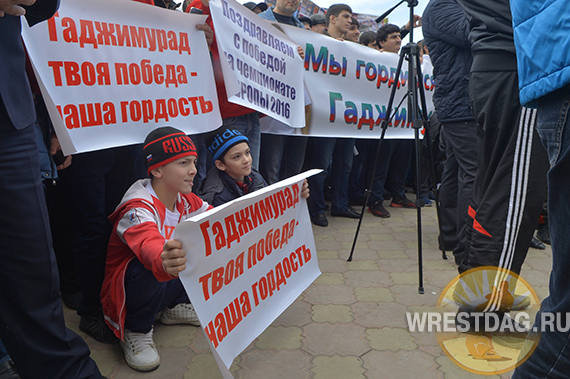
(349, 324)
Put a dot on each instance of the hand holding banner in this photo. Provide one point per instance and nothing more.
(248, 260)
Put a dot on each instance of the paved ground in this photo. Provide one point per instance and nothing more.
(349, 324)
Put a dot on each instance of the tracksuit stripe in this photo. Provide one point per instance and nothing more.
(517, 198)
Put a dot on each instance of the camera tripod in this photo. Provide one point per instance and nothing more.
(415, 95)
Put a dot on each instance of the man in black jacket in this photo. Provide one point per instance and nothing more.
(511, 179)
(31, 317)
(446, 31)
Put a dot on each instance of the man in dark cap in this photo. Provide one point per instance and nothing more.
(319, 23)
(256, 8)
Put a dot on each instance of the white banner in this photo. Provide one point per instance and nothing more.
(264, 62)
(248, 260)
(113, 70)
(350, 84)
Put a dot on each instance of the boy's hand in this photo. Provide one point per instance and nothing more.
(173, 257)
(305, 189)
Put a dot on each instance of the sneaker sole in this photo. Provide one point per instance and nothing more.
(141, 368)
(394, 205)
(378, 215)
(146, 368)
(178, 322)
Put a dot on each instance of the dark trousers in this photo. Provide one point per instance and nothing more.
(511, 179)
(32, 326)
(341, 152)
(61, 220)
(281, 156)
(393, 166)
(361, 165)
(99, 179)
(457, 181)
(146, 296)
(425, 170)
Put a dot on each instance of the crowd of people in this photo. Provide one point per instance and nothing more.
(116, 263)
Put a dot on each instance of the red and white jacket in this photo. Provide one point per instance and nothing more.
(137, 222)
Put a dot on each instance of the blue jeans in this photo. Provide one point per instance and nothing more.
(341, 151)
(282, 156)
(551, 359)
(248, 125)
(32, 325)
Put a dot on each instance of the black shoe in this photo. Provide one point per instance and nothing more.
(72, 300)
(8, 371)
(95, 327)
(320, 220)
(349, 212)
(536, 244)
(402, 202)
(378, 210)
(543, 234)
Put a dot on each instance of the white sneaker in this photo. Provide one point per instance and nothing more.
(180, 314)
(140, 352)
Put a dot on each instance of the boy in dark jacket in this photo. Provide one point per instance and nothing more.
(232, 175)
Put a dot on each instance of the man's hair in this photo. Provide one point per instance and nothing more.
(335, 10)
(421, 45)
(384, 31)
(367, 37)
(355, 22)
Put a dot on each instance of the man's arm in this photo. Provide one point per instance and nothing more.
(450, 24)
(137, 228)
(14, 7)
(40, 11)
(404, 30)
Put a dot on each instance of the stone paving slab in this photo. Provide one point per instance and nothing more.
(349, 324)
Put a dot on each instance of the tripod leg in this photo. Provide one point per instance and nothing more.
(415, 75)
(427, 129)
(384, 127)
